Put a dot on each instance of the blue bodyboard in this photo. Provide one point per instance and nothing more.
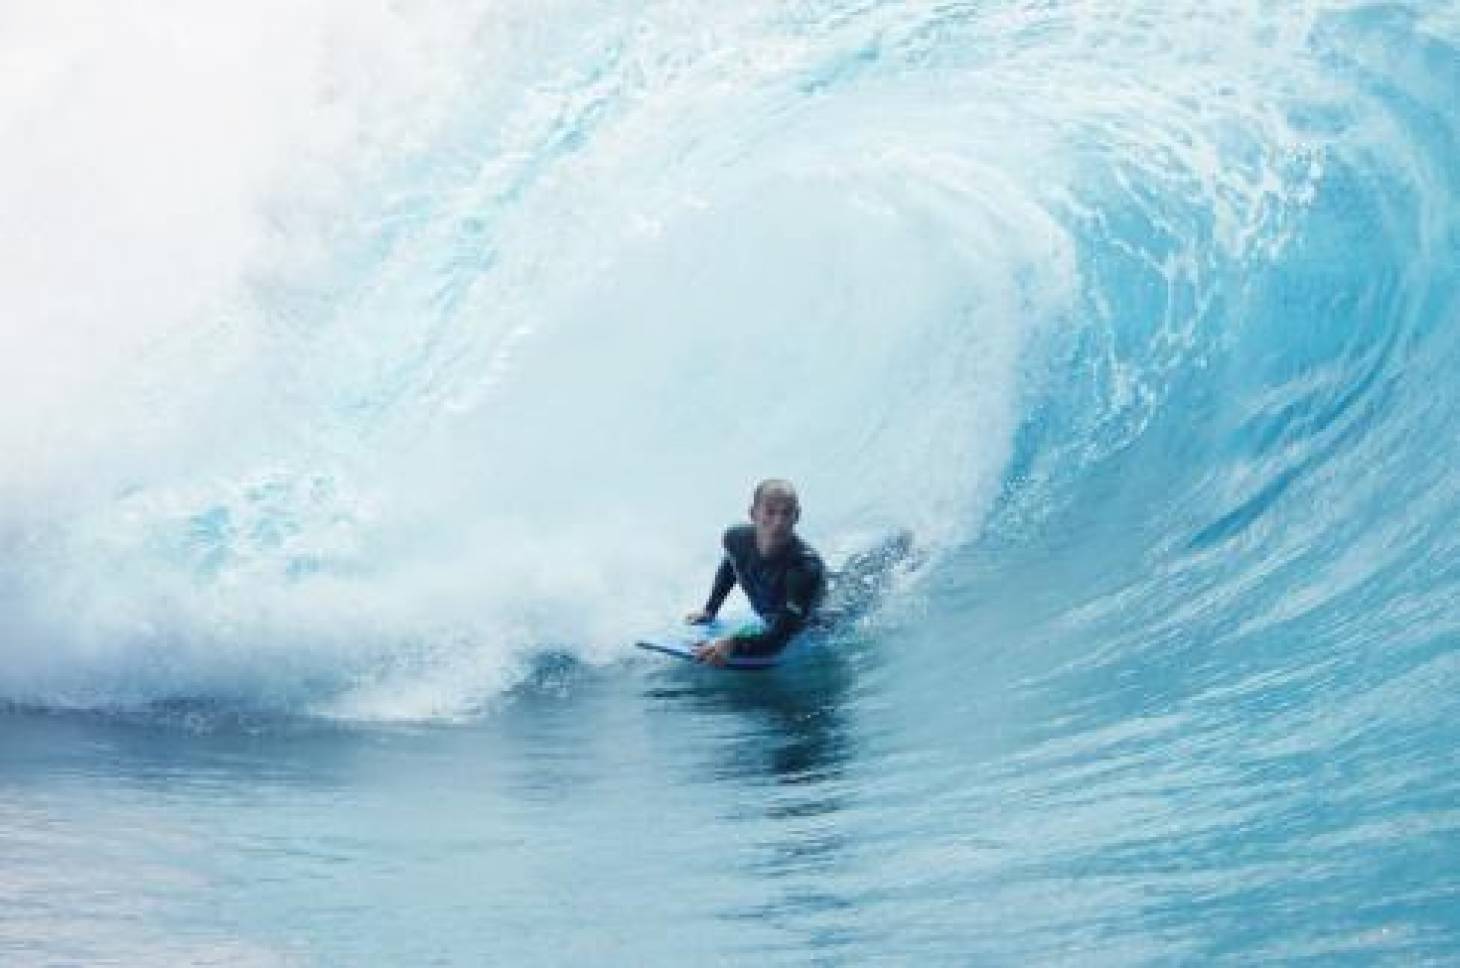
(681, 643)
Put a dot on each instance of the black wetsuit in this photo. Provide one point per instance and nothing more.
(784, 588)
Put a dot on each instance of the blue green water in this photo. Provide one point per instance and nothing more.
(362, 411)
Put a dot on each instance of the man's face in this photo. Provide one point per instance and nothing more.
(774, 516)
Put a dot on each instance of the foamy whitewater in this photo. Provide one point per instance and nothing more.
(375, 374)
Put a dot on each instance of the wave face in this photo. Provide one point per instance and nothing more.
(346, 385)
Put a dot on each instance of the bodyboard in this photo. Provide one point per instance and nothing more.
(681, 643)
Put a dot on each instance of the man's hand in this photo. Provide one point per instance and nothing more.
(715, 653)
(699, 617)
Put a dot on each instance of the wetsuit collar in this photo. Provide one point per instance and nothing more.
(784, 550)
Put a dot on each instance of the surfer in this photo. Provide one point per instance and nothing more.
(783, 577)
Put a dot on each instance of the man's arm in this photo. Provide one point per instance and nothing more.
(724, 582)
(803, 588)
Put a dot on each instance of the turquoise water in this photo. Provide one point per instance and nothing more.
(362, 411)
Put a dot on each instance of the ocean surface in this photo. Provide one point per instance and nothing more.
(373, 375)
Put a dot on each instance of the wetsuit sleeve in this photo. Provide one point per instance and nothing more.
(724, 581)
(803, 590)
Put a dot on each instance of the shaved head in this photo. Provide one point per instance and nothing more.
(775, 488)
